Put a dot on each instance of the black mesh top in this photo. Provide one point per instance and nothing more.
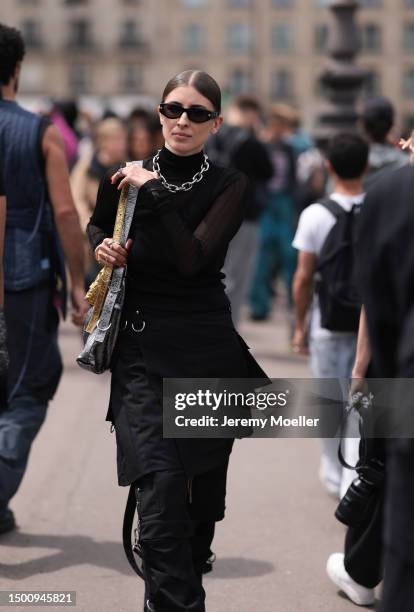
(179, 240)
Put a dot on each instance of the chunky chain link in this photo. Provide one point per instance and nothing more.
(188, 184)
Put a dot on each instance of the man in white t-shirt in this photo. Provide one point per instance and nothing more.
(332, 353)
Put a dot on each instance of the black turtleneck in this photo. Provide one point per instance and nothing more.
(179, 166)
(179, 240)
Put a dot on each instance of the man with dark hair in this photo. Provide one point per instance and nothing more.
(238, 146)
(41, 219)
(12, 52)
(376, 120)
(332, 350)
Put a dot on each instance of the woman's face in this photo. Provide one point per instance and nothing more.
(182, 136)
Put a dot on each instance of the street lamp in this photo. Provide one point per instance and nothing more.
(341, 78)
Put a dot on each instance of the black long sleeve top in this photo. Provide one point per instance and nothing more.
(180, 240)
(386, 267)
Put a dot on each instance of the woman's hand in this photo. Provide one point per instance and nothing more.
(110, 253)
(132, 174)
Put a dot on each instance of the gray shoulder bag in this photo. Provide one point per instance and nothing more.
(106, 296)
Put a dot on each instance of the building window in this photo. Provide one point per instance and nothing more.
(239, 3)
(80, 36)
(240, 82)
(31, 34)
(322, 3)
(193, 38)
(129, 35)
(75, 2)
(281, 85)
(282, 37)
(370, 38)
(408, 39)
(79, 78)
(409, 3)
(130, 78)
(239, 37)
(282, 3)
(321, 32)
(408, 83)
(372, 84)
(194, 3)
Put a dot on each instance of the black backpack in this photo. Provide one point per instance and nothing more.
(336, 282)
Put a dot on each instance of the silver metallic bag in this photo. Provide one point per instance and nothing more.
(106, 294)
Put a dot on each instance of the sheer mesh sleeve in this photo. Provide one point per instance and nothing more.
(195, 250)
(102, 221)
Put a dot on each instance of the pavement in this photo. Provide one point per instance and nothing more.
(271, 548)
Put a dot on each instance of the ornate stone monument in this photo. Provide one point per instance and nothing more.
(342, 78)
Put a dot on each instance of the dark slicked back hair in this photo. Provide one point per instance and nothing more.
(348, 155)
(11, 52)
(201, 81)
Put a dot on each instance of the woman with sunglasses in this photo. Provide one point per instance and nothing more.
(177, 323)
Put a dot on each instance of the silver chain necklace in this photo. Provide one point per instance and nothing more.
(188, 184)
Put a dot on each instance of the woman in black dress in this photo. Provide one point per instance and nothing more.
(177, 323)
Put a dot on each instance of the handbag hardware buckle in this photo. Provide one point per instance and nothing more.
(103, 329)
(141, 329)
(135, 546)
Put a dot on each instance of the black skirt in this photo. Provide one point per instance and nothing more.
(155, 345)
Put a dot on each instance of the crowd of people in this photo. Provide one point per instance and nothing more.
(270, 207)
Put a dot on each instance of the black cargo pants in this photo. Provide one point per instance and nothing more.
(176, 517)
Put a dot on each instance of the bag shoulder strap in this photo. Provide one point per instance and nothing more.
(125, 211)
(127, 531)
(334, 208)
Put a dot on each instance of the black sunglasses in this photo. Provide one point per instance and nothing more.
(195, 114)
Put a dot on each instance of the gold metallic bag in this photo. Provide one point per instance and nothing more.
(106, 296)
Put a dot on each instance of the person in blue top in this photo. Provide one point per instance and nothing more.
(42, 235)
(4, 358)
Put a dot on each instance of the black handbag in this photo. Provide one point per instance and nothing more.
(365, 491)
(106, 295)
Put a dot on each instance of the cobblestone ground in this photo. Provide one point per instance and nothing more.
(271, 548)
